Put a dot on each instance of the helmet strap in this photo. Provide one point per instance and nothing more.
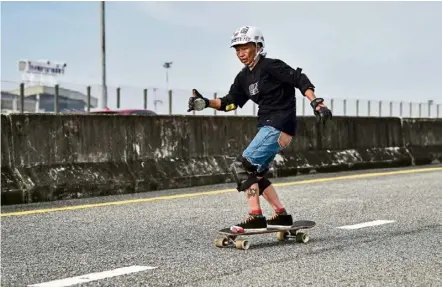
(256, 58)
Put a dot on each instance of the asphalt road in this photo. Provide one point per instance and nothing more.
(174, 235)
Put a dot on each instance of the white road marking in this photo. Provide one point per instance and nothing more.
(366, 224)
(92, 276)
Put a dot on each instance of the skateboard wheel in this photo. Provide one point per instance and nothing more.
(242, 244)
(221, 242)
(302, 237)
(282, 235)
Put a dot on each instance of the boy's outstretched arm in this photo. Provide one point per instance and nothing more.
(197, 102)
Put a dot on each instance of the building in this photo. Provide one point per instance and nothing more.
(42, 98)
(11, 103)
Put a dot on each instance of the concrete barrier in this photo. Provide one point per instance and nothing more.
(51, 157)
(72, 156)
(11, 192)
(345, 143)
(423, 139)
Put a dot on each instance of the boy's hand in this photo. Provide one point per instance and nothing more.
(320, 110)
(197, 102)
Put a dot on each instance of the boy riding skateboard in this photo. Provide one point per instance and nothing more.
(270, 84)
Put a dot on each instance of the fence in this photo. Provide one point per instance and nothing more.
(174, 102)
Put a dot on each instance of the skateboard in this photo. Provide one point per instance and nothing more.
(282, 234)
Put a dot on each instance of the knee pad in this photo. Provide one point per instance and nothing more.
(244, 173)
(263, 183)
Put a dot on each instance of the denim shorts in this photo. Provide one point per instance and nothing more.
(263, 148)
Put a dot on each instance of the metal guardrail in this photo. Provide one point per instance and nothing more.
(174, 102)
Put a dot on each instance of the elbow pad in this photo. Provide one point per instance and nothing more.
(227, 104)
(303, 81)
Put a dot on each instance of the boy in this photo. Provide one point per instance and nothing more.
(270, 84)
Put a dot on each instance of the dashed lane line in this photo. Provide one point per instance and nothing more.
(366, 224)
(92, 276)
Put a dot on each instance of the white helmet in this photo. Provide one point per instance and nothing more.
(247, 34)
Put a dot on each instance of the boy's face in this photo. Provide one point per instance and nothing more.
(246, 53)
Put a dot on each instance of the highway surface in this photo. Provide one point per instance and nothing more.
(374, 228)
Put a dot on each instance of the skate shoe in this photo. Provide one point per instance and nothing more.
(252, 223)
(280, 221)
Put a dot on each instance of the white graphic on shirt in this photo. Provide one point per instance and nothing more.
(253, 89)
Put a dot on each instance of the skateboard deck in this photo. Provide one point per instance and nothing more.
(282, 234)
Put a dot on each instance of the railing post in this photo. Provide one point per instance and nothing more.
(56, 103)
(118, 97)
(391, 108)
(401, 107)
(22, 97)
(145, 98)
(357, 107)
(303, 106)
(369, 107)
(215, 95)
(88, 92)
(170, 102)
(345, 107)
(380, 108)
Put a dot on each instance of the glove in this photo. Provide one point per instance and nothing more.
(197, 102)
(320, 110)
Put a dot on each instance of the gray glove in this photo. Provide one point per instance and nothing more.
(197, 102)
(323, 113)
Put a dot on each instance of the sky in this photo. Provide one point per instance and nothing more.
(350, 50)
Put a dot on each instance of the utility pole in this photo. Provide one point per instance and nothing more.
(103, 58)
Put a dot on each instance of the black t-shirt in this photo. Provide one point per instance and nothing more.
(271, 85)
